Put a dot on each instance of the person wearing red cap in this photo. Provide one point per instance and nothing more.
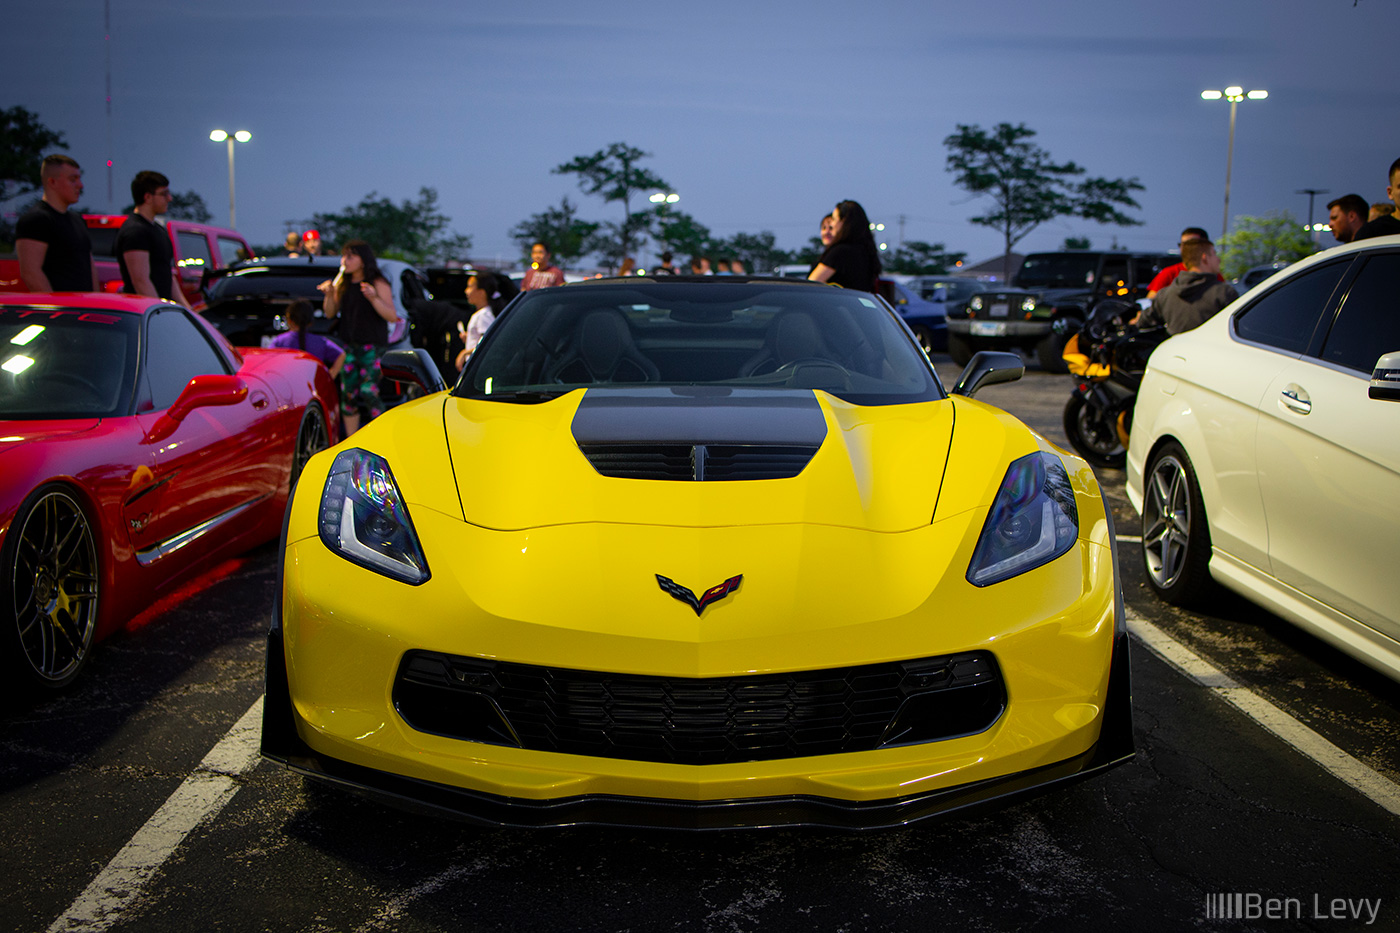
(311, 243)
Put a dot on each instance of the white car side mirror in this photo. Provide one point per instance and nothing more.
(1385, 380)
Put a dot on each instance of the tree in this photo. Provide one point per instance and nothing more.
(614, 242)
(919, 258)
(1028, 188)
(1275, 237)
(189, 206)
(1076, 242)
(23, 140)
(811, 252)
(614, 175)
(412, 230)
(679, 232)
(558, 227)
(758, 251)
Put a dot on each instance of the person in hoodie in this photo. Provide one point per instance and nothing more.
(1196, 294)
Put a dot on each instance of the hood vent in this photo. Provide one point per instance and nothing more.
(698, 462)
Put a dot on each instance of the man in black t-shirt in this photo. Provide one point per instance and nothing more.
(52, 243)
(143, 249)
(1385, 224)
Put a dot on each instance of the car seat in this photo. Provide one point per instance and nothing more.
(602, 350)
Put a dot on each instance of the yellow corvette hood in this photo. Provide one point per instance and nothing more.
(874, 468)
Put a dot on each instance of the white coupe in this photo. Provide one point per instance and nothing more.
(1265, 452)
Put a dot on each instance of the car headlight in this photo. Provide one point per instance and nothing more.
(1028, 304)
(365, 520)
(975, 304)
(1033, 521)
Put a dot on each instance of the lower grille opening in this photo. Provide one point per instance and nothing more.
(700, 720)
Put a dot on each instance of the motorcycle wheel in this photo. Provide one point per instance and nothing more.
(1092, 436)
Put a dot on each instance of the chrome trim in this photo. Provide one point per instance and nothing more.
(169, 546)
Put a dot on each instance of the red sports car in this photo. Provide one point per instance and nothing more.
(136, 447)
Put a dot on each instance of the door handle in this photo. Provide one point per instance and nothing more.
(259, 401)
(1295, 398)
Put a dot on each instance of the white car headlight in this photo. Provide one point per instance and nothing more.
(365, 520)
(976, 303)
(1033, 521)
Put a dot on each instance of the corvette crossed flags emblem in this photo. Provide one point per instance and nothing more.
(713, 594)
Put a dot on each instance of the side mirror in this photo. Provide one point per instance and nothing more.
(988, 368)
(415, 366)
(1385, 380)
(202, 392)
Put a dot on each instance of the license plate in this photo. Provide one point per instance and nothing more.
(997, 310)
(988, 328)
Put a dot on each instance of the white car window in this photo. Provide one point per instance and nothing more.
(1287, 316)
(1368, 324)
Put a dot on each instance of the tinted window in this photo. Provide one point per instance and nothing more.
(259, 280)
(1145, 268)
(1113, 281)
(1368, 324)
(194, 252)
(177, 352)
(1287, 316)
(66, 364)
(231, 251)
(104, 239)
(1057, 270)
(716, 335)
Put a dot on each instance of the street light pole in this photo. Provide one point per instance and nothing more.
(241, 136)
(1311, 192)
(1234, 95)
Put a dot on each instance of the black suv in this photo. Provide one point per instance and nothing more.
(1049, 299)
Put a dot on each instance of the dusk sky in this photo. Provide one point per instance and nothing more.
(760, 115)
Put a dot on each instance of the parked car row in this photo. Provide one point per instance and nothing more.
(197, 249)
(1048, 300)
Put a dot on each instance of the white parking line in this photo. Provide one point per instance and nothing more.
(116, 889)
(1350, 771)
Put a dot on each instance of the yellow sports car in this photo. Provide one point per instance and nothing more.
(697, 553)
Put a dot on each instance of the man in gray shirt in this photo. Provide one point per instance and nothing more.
(1196, 294)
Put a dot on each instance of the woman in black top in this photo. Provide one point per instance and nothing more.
(852, 260)
(360, 295)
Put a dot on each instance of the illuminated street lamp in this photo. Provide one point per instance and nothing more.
(1234, 95)
(242, 136)
(665, 197)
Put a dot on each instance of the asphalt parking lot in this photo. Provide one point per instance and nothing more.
(118, 816)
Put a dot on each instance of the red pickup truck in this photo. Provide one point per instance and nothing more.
(197, 247)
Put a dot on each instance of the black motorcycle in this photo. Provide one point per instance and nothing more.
(1109, 357)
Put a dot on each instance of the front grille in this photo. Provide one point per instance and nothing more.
(700, 721)
(699, 462)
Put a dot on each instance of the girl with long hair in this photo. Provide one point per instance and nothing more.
(361, 297)
(299, 315)
(852, 260)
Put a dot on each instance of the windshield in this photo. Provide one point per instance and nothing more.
(1056, 270)
(265, 280)
(66, 363)
(954, 291)
(742, 335)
